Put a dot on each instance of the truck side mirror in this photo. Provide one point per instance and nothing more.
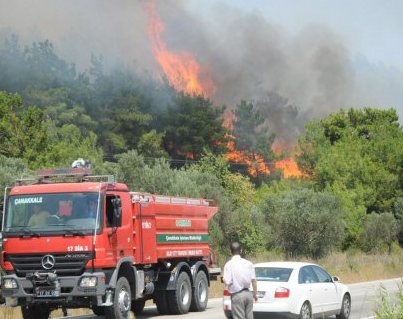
(117, 212)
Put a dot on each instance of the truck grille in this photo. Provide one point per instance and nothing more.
(66, 264)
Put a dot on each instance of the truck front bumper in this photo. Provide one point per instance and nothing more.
(63, 290)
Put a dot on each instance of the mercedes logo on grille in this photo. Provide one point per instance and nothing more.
(48, 262)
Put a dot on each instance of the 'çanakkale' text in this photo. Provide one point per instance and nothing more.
(28, 200)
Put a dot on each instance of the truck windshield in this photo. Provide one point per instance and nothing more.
(36, 213)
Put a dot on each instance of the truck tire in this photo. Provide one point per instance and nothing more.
(121, 301)
(200, 293)
(179, 300)
(98, 310)
(161, 300)
(35, 312)
(138, 306)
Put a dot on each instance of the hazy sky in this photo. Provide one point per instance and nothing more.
(372, 28)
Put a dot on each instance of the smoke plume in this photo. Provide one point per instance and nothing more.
(291, 77)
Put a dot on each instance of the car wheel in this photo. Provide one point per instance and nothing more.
(305, 312)
(345, 308)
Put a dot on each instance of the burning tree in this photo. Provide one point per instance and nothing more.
(251, 142)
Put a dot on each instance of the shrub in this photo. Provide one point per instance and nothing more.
(305, 222)
(379, 233)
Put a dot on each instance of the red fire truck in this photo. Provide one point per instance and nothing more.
(93, 243)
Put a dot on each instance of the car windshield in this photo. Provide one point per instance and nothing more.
(273, 274)
(36, 213)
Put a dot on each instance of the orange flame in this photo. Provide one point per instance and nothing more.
(255, 163)
(290, 167)
(182, 70)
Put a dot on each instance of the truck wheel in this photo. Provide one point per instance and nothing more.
(180, 298)
(98, 311)
(121, 301)
(200, 292)
(138, 306)
(35, 312)
(161, 300)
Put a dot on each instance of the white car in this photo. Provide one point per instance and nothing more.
(296, 290)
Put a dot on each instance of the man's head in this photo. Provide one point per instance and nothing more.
(236, 248)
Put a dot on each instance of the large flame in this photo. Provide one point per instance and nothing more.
(184, 73)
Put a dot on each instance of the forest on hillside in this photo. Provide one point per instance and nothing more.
(347, 192)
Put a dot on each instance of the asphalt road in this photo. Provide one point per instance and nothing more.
(364, 299)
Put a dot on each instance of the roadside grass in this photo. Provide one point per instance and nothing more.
(350, 267)
(390, 306)
(354, 266)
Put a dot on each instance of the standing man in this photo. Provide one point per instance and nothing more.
(239, 274)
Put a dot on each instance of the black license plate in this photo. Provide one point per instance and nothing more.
(46, 293)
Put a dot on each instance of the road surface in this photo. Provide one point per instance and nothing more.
(364, 298)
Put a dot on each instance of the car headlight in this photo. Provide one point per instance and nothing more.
(10, 283)
(88, 282)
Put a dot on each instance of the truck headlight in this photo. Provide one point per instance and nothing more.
(88, 282)
(10, 283)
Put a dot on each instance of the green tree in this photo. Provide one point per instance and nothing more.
(10, 170)
(125, 121)
(23, 133)
(150, 145)
(66, 144)
(357, 155)
(193, 124)
(247, 226)
(26, 134)
(61, 106)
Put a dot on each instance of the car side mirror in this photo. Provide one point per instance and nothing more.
(335, 279)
